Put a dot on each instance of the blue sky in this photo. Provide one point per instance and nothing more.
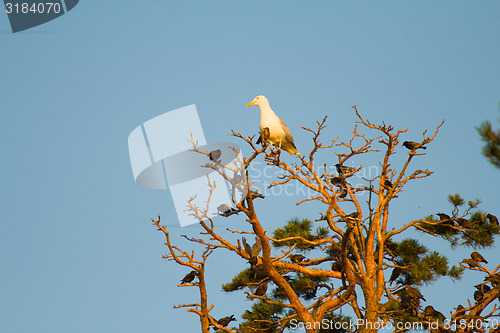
(76, 249)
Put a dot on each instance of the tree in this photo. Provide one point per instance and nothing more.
(305, 272)
(491, 149)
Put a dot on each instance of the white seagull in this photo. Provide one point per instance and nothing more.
(279, 134)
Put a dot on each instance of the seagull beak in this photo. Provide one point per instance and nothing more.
(251, 103)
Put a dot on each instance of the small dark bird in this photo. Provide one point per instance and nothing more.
(337, 266)
(345, 171)
(337, 181)
(225, 321)
(470, 262)
(226, 210)
(264, 136)
(478, 296)
(256, 247)
(443, 216)
(460, 307)
(296, 258)
(189, 277)
(493, 219)
(412, 145)
(247, 247)
(387, 183)
(484, 288)
(261, 290)
(414, 293)
(465, 223)
(429, 311)
(477, 257)
(342, 192)
(396, 272)
(214, 155)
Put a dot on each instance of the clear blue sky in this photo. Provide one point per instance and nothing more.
(77, 251)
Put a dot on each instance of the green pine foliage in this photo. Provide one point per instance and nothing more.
(301, 228)
(491, 149)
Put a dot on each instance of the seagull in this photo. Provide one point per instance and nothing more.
(279, 134)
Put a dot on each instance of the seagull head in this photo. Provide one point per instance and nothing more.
(259, 100)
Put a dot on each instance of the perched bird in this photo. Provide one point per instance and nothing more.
(255, 194)
(443, 217)
(429, 311)
(414, 293)
(279, 134)
(337, 181)
(396, 272)
(484, 288)
(261, 290)
(296, 258)
(214, 155)
(226, 210)
(470, 262)
(465, 223)
(189, 277)
(345, 171)
(478, 257)
(493, 219)
(337, 266)
(478, 295)
(353, 215)
(412, 145)
(493, 279)
(225, 321)
(264, 136)
(253, 251)
(256, 247)
(388, 183)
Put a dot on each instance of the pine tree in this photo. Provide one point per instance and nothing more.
(310, 271)
(491, 149)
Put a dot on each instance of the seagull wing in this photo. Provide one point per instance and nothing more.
(289, 145)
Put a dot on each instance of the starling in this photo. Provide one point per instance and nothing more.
(470, 262)
(214, 155)
(345, 171)
(477, 257)
(460, 307)
(484, 288)
(387, 183)
(337, 266)
(396, 272)
(465, 223)
(256, 247)
(412, 145)
(443, 216)
(337, 181)
(414, 293)
(429, 311)
(189, 277)
(264, 136)
(478, 296)
(226, 210)
(261, 290)
(247, 247)
(493, 219)
(296, 258)
(225, 321)
(342, 192)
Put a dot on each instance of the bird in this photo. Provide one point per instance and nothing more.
(226, 210)
(261, 290)
(493, 218)
(443, 216)
(412, 145)
(189, 277)
(388, 183)
(214, 155)
(478, 257)
(255, 194)
(484, 288)
(429, 311)
(493, 279)
(478, 295)
(256, 248)
(465, 223)
(279, 134)
(264, 136)
(414, 293)
(337, 181)
(345, 171)
(296, 258)
(337, 266)
(470, 262)
(225, 321)
(396, 272)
